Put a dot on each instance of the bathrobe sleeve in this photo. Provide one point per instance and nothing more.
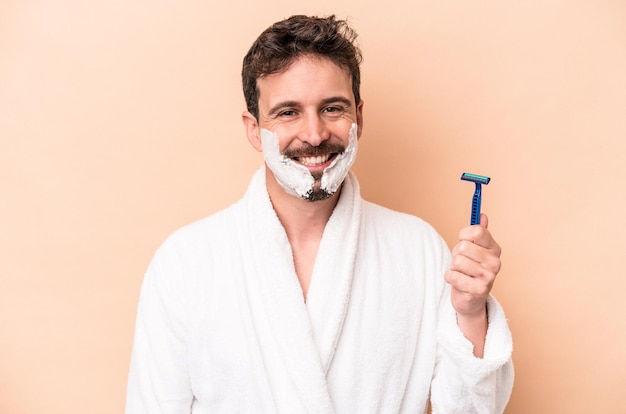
(462, 382)
(158, 381)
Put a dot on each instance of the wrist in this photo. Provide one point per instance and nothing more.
(477, 316)
(474, 327)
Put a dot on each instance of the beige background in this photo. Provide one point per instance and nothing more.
(120, 121)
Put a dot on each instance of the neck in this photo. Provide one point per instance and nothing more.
(301, 219)
(304, 222)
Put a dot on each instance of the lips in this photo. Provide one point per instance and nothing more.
(314, 157)
(314, 161)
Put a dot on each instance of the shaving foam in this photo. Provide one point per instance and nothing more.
(336, 172)
(295, 178)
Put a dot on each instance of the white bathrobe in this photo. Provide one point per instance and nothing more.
(222, 325)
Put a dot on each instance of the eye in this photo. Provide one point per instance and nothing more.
(287, 113)
(333, 110)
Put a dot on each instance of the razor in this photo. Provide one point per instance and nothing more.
(476, 199)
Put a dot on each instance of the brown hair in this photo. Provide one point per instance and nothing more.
(279, 45)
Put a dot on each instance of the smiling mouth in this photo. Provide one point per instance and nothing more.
(315, 160)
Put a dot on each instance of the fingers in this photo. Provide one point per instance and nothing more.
(478, 234)
(474, 260)
(468, 294)
(471, 281)
(478, 287)
(475, 265)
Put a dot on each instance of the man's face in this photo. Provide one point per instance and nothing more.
(311, 108)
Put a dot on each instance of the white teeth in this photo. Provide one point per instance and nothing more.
(312, 161)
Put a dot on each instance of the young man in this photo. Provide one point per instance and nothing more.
(304, 298)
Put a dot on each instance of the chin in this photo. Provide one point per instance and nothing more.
(317, 195)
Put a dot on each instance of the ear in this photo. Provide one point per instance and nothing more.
(359, 119)
(253, 131)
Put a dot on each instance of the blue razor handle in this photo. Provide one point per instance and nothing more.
(476, 199)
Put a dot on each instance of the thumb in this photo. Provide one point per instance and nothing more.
(484, 220)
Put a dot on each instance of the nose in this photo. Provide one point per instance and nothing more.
(314, 130)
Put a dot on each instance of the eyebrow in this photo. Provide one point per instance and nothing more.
(295, 104)
(281, 105)
(341, 99)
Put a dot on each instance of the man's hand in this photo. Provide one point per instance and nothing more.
(475, 264)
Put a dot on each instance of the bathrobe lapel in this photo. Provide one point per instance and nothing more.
(329, 293)
(297, 340)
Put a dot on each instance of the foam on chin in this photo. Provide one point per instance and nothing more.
(295, 178)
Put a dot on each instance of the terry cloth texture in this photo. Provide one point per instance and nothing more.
(222, 326)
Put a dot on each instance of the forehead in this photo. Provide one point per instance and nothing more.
(307, 78)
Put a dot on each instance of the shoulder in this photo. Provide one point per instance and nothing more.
(386, 219)
(403, 233)
(198, 239)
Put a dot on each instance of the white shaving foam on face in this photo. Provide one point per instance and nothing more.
(295, 178)
(337, 171)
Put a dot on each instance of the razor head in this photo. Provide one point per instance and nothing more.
(480, 179)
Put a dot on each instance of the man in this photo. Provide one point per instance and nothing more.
(304, 298)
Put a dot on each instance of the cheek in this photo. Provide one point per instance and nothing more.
(286, 137)
(341, 131)
(285, 143)
(271, 146)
